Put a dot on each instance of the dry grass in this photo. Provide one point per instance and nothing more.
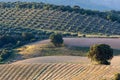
(35, 50)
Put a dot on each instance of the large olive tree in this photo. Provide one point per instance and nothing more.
(101, 53)
(56, 39)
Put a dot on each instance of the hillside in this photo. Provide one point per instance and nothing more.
(43, 69)
(57, 20)
(58, 68)
(23, 56)
(40, 16)
(64, 59)
(92, 4)
(72, 47)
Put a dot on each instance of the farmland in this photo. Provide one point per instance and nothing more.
(28, 54)
(72, 47)
(57, 20)
(40, 16)
(65, 67)
(64, 71)
(86, 42)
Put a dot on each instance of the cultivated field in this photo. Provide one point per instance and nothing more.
(55, 59)
(64, 59)
(87, 42)
(44, 48)
(57, 71)
(61, 67)
(42, 60)
(56, 20)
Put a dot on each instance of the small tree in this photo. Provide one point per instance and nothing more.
(56, 39)
(101, 53)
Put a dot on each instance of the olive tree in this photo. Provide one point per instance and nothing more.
(56, 39)
(101, 53)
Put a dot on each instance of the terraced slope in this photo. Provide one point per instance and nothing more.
(57, 20)
(53, 71)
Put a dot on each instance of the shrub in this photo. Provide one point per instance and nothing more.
(56, 39)
(101, 53)
(117, 76)
(5, 54)
(84, 35)
(27, 36)
(6, 40)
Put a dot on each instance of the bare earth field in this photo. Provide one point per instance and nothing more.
(86, 42)
(58, 68)
(57, 71)
(64, 59)
(39, 48)
(63, 67)
(55, 59)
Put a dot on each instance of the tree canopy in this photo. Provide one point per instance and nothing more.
(101, 53)
(56, 39)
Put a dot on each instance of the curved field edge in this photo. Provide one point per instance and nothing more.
(64, 59)
(45, 48)
(59, 71)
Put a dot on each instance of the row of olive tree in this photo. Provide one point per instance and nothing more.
(109, 15)
(100, 53)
